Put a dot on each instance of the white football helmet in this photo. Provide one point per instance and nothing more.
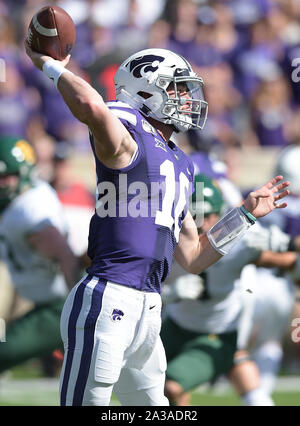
(288, 165)
(142, 82)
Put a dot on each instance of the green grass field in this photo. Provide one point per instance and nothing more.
(26, 386)
(230, 399)
(39, 392)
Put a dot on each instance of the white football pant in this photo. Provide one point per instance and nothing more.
(111, 340)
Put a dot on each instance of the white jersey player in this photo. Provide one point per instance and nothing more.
(33, 246)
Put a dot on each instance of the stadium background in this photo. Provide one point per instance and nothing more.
(245, 50)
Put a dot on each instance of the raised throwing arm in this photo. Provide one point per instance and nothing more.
(113, 143)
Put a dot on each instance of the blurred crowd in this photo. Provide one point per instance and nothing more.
(248, 53)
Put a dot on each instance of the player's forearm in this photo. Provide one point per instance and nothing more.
(79, 96)
(204, 257)
(269, 259)
(196, 253)
(69, 267)
(195, 258)
(52, 245)
(85, 103)
(77, 93)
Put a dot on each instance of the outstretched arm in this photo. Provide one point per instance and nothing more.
(51, 244)
(270, 259)
(196, 253)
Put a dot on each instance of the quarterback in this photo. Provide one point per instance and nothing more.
(111, 320)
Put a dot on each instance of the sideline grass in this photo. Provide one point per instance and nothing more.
(25, 385)
(230, 399)
(45, 392)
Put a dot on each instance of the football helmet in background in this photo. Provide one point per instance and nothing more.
(17, 157)
(210, 200)
(288, 165)
(142, 81)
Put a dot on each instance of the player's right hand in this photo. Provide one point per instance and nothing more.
(38, 59)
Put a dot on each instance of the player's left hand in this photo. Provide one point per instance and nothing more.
(265, 199)
(39, 59)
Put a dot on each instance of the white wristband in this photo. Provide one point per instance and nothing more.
(54, 69)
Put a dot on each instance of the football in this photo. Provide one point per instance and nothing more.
(52, 32)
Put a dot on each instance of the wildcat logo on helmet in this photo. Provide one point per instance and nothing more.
(140, 66)
(117, 315)
(142, 82)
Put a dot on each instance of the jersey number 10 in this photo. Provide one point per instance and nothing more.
(164, 217)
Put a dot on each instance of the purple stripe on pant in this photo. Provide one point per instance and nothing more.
(89, 329)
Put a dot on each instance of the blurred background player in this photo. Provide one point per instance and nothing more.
(200, 329)
(77, 200)
(263, 331)
(33, 237)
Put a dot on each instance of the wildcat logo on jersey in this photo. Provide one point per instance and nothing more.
(117, 315)
(160, 144)
(140, 66)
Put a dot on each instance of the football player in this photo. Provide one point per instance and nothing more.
(34, 247)
(111, 319)
(202, 314)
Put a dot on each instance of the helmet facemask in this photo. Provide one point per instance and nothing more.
(183, 112)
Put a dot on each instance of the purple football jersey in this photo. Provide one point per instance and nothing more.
(140, 208)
